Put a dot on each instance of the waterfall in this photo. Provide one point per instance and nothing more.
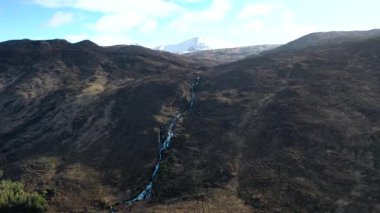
(147, 192)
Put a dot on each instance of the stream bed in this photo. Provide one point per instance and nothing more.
(165, 145)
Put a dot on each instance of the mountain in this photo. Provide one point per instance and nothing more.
(228, 55)
(78, 120)
(300, 129)
(328, 38)
(291, 131)
(191, 45)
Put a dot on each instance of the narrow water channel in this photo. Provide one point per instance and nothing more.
(166, 144)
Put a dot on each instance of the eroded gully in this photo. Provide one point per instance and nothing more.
(165, 145)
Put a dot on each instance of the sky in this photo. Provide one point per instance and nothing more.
(219, 23)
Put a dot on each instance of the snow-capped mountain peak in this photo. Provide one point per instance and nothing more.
(191, 45)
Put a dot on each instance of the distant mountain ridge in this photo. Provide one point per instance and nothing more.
(191, 45)
(226, 55)
(327, 38)
(296, 130)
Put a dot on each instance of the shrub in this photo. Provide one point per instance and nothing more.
(13, 198)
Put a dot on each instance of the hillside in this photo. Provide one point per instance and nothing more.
(295, 130)
(328, 38)
(228, 55)
(79, 120)
(289, 132)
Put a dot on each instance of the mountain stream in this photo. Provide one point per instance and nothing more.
(165, 145)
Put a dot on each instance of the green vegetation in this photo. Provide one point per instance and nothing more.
(13, 198)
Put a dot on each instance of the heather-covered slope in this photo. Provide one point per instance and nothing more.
(288, 131)
(328, 38)
(78, 119)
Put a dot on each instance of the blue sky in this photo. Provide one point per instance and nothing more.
(220, 23)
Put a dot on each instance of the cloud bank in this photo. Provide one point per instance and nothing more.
(160, 21)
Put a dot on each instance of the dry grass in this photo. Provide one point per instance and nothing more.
(217, 200)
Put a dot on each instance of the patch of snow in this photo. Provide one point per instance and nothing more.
(191, 45)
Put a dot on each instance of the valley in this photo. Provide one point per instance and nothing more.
(292, 129)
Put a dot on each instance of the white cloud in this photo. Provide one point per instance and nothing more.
(149, 26)
(60, 18)
(288, 16)
(156, 8)
(258, 9)
(225, 23)
(159, 8)
(267, 22)
(54, 3)
(115, 23)
(190, 19)
(118, 15)
(254, 25)
(189, 1)
(218, 10)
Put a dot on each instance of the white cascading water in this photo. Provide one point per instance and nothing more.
(147, 192)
